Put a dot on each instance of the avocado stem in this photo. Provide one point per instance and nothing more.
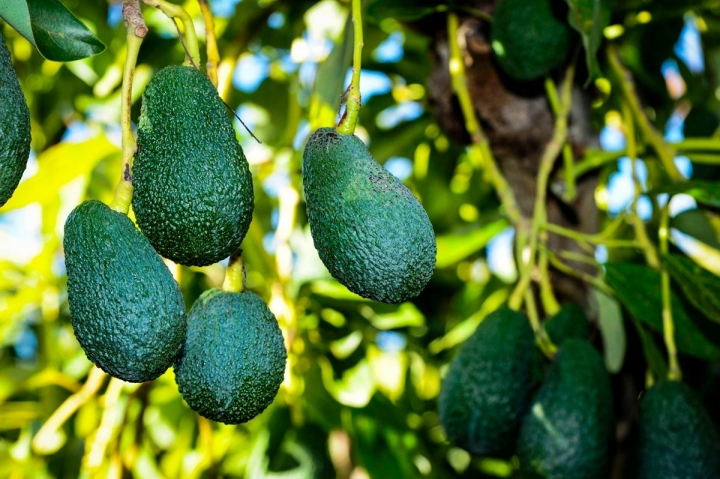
(353, 100)
(235, 275)
(213, 56)
(665, 152)
(190, 42)
(134, 38)
(674, 372)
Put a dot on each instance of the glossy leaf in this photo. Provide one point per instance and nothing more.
(56, 33)
(705, 192)
(638, 289)
(612, 330)
(700, 286)
(589, 18)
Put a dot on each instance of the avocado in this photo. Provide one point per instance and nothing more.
(569, 322)
(125, 307)
(485, 391)
(567, 432)
(193, 193)
(677, 439)
(371, 233)
(14, 127)
(233, 360)
(530, 38)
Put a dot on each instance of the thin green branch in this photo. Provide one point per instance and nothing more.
(136, 31)
(570, 271)
(547, 161)
(674, 372)
(189, 42)
(638, 224)
(213, 55)
(353, 101)
(480, 149)
(665, 152)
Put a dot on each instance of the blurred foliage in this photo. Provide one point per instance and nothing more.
(360, 393)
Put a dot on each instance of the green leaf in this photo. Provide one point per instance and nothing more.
(705, 192)
(589, 18)
(700, 286)
(612, 330)
(403, 10)
(655, 359)
(638, 289)
(56, 33)
(700, 224)
(452, 248)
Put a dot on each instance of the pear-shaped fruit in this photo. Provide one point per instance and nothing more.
(126, 309)
(370, 231)
(193, 195)
(233, 361)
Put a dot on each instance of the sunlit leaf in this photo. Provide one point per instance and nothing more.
(456, 247)
(700, 224)
(406, 315)
(638, 289)
(59, 165)
(56, 33)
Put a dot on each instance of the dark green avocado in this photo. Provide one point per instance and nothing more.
(125, 307)
(569, 322)
(530, 37)
(568, 431)
(371, 233)
(486, 389)
(193, 195)
(233, 361)
(14, 127)
(677, 439)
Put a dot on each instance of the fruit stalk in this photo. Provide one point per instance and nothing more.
(189, 42)
(213, 56)
(665, 152)
(480, 146)
(552, 150)
(638, 224)
(235, 275)
(674, 372)
(136, 31)
(353, 100)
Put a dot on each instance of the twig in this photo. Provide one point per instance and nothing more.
(352, 105)
(674, 372)
(213, 56)
(190, 42)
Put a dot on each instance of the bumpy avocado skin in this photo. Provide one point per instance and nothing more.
(125, 307)
(371, 233)
(568, 430)
(569, 322)
(677, 439)
(233, 360)
(193, 194)
(14, 127)
(485, 391)
(529, 37)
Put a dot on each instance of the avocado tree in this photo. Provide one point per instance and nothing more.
(487, 231)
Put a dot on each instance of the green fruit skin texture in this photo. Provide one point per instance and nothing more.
(569, 322)
(568, 431)
(233, 361)
(193, 195)
(486, 389)
(529, 37)
(125, 307)
(677, 439)
(370, 231)
(14, 127)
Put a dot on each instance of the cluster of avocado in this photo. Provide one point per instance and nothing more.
(564, 429)
(370, 231)
(14, 127)
(193, 200)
